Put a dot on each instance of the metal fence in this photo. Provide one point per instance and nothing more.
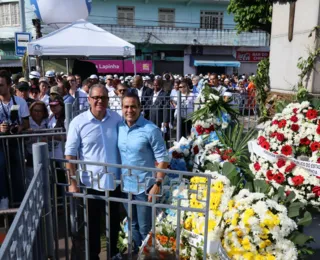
(30, 234)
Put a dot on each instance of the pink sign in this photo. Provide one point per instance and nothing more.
(116, 66)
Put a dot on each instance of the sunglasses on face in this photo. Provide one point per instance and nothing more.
(122, 90)
(181, 86)
(102, 98)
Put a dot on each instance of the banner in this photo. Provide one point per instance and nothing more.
(258, 150)
(251, 56)
(116, 66)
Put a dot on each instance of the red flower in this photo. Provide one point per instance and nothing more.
(318, 161)
(297, 180)
(288, 192)
(282, 123)
(316, 190)
(233, 160)
(211, 128)
(315, 146)
(279, 178)
(290, 167)
(176, 155)
(295, 110)
(318, 130)
(281, 163)
(274, 134)
(257, 166)
(196, 149)
(269, 175)
(207, 130)
(312, 114)
(275, 122)
(305, 141)
(199, 129)
(294, 119)
(261, 139)
(280, 137)
(265, 145)
(295, 127)
(286, 150)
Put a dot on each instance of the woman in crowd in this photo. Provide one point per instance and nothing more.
(44, 86)
(187, 107)
(34, 92)
(38, 120)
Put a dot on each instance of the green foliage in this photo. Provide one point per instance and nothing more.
(262, 83)
(281, 104)
(211, 106)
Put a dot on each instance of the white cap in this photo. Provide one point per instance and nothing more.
(227, 94)
(50, 74)
(34, 75)
(109, 77)
(226, 80)
(121, 77)
(93, 76)
(61, 73)
(115, 76)
(146, 78)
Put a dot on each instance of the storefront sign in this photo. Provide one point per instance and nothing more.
(116, 66)
(21, 41)
(251, 56)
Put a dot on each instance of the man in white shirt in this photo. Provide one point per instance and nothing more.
(109, 85)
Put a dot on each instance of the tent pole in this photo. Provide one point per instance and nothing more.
(67, 65)
(134, 65)
(29, 67)
(42, 67)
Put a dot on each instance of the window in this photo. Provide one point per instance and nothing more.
(166, 17)
(9, 14)
(211, 20)
(125, 15)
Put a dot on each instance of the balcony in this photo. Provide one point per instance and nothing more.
(188, 36)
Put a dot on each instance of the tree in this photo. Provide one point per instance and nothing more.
(251, 15)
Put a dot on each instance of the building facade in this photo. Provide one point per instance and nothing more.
(183, 36)
(180, 36)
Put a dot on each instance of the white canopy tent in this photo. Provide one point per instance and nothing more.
(81, 39)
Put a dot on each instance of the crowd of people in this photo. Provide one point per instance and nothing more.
(123, 121)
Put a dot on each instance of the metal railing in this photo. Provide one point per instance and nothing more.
(30, 234)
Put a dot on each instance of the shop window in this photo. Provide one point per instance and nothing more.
(126, 15)
(9, 14)
(211, 20)
(166, 17)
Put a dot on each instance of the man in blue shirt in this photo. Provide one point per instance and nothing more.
(140, 143)
(93, 134)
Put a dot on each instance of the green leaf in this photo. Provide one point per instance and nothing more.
(290, 197)
(214, 167)
(249, 186)
(294, 209)
(261, 186)
(306, 220)
(299, 238)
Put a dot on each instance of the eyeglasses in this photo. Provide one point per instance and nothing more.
(72, 80)
(102, 98)
(122, 90)
(181, 86)
(37, 111)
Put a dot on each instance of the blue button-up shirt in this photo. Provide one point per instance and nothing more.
(96, 141)
(140, 145)
(68, 99)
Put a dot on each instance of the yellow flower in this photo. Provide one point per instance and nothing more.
(234, 220)
(247, 215)
(188, 223)
(270, 257)
(262, 245)
(215, 200)
(230, 204)
(268, 242)
(218, 186)
(212, 224)
(248, 256)
(246, 244)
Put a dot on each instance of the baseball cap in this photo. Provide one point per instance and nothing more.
(22, 80)
(93, 76)
(115, 76)
(50, 74)
(55, 90)
(22, 86)
(44, 79)
(56, 100)
(109, 77)
(34, 75)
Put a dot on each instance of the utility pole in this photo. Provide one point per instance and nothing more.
(37, 25)
(22, 15)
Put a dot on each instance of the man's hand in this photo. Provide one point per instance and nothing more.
(154, 190)
(74, 187)
(4, 128)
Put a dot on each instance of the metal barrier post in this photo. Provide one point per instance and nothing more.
(179, 123)
(68, 111)
(41, 156)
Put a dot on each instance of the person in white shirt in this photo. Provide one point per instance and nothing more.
(109, 85)
(187, 107)
(78, 95)
(115, 98)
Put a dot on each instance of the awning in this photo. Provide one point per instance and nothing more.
(10, 63)
(214, 61)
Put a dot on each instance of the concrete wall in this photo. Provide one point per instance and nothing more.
(284, 55)
(105, 12)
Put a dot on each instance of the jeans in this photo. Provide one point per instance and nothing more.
(141, 220)
(17, 181)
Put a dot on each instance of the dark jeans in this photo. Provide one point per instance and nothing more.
(141, 220)
(96, 211)
(185, 127)
(15, 159)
